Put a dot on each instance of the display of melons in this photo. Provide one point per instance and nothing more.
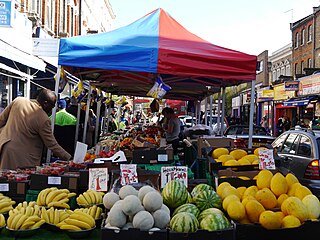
(236, 157)
(276, 201)
(54, 197)
(6, 203)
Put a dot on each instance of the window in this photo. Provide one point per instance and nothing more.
(296, 68)
(303, 33)
(297, 40)
(283, 72)
(288, 70)
(302, 66)
(309, 63)
(274, 75)
(277, 144)
(289, 145)
(309, 33)
(278, 73)
(304, 148)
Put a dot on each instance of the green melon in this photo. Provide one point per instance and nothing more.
(202, 187)
(214, 222)
(174, 194)
(209, 211)
(188, 207)
(207, 199)
(184, 222)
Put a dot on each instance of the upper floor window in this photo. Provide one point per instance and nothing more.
(274, 75)
(303, 33)
(309, 33)
(288, 70)
(295, 68)
(302, 66)
(283, 72)
(309, 63)
(296, 40)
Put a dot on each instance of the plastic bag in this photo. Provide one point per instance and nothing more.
(159, 89)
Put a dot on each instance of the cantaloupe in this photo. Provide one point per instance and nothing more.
(152, 201)
(294, 206)
(143, 220)
(165, 208)
(109, 199)
(313, 205)
(127, 226)
(131, 205)
(117, 218)
(126, 191)
(144, 190)
(161, 218)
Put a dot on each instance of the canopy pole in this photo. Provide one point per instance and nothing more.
(87, 115)
(205, 111)
(97, 122)
(219, 114)
(196, 113)
(211, 98)
(253, 90)
(223, 109)
(54, 110)
(77, 125)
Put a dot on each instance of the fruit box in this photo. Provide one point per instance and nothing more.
(231, 176)
(255, 231)
(133, 234)
(15, 190)
(226, 234)
(40, 181)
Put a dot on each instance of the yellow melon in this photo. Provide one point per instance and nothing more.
(264, 178)
(231, 163)
(225, 158)
(293, 188)
(236, 210)
(255, 177)
(241, 191)
(255, 162)
(269, 220)
(291, 179)
(302, 191)
(280, 215)
(278, 184)
(313, 205)
(253, 210)
(229, 190)
(256, 151)
(244, 177)
(281, 198)
(221, 186)
(244, 161)
(250, 191)
(245, 220)
(290, 222)
(266, 198)
(294, 206)
(250, 157)
(245, 200)
(238, 153)
(229, 199)
(218, 152)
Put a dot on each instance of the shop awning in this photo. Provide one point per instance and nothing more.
(16, 55)
(304, 101)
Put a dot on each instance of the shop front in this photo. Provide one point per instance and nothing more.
(264, 100)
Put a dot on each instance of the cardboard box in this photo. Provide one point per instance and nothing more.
(40, 181)
(214, 142)
(226, 234)
(144, 155)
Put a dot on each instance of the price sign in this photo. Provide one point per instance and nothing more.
(129, 174)
(4, 187)
(98, 179)
(54, 180)
(174, 173)
(266, 160)
(162, 157)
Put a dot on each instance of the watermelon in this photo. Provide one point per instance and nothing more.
(209, 211)
(207, 199)
(184, 222)
(188, 207)
(189, 198)
(202, 187)
(214, 222)
(174, 194)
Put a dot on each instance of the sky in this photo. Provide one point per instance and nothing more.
(249, 26)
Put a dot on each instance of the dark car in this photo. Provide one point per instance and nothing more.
(297, 151)
(240, 134)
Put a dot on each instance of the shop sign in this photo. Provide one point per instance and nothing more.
(6, 13)
(265, 94)
(281, 94)
(236, 101)
(174, 173)
(291, 86)
(310, 85)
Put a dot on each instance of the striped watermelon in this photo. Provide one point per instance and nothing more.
(207, 199)
(214, 222)
(202, 187)
(188, 207)
(184, 222)
(174, 194)
(209, 211)
(189, 198)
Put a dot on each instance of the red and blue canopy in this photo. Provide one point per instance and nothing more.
(126, 60)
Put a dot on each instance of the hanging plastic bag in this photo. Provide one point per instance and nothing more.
(159, 89)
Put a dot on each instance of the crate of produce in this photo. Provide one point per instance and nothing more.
(226, 234)
(133, 234)
(16, 190)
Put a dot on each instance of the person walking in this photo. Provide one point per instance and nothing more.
(24, 128)
(172, 129)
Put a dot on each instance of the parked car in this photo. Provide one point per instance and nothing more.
(298, 151)
(240, 134)
(215, 125)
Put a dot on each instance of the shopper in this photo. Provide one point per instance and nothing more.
(172, 129)
(24, 128)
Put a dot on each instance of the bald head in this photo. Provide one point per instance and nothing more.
(47, 100)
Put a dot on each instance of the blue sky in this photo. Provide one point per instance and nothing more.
(249, 26)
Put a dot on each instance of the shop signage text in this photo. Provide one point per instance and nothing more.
(291, 86)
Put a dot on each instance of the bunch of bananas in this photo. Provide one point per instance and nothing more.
(19, 221)
(93, 211)
(2, 220)
(54, 197)
(77, 221)
(6, 203)
(53, 216)
(90, 197)
(28, 209)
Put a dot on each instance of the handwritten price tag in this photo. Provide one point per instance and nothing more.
(4, 187)
(266, 160)
(171, 173)
(54, 180)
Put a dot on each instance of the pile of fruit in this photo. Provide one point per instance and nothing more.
(54, 197)
(2, 221)
(90, 197)
(77, 221)
(236, 157)
(6, 203)
(276, 201)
